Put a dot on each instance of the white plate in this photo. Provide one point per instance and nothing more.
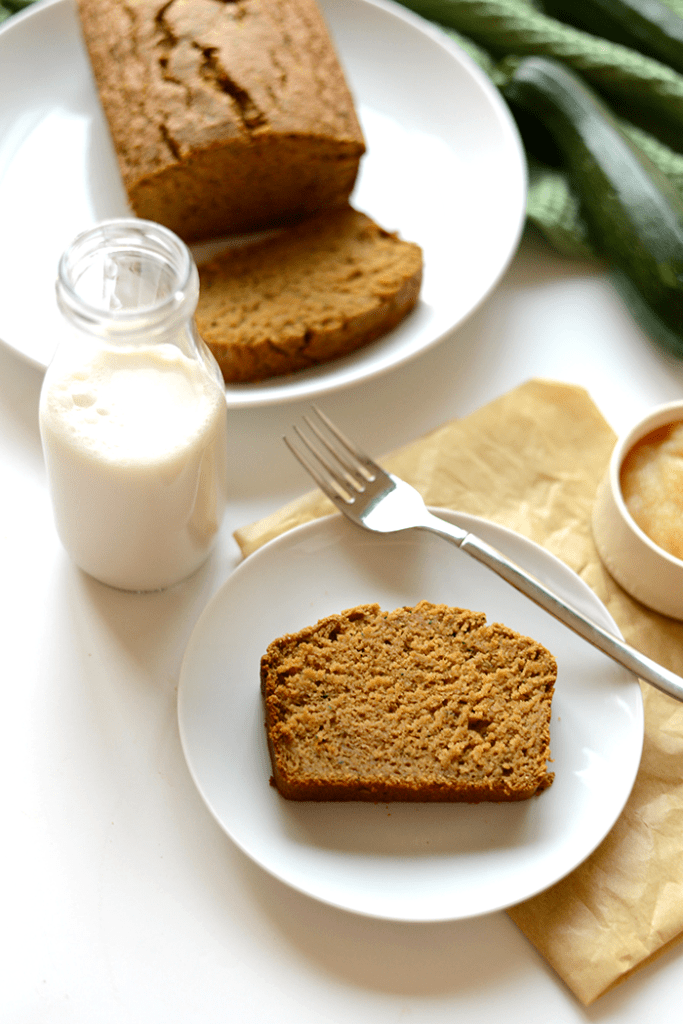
(412, 862)
(444, 167)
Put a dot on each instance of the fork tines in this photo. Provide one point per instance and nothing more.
(339, 468)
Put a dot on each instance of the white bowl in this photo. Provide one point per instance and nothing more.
(646, 571)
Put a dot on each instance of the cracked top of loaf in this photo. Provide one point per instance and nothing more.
(183, 81)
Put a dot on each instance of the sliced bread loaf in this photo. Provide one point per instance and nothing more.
(226, 118)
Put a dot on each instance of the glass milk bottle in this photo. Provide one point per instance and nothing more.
(133, 416)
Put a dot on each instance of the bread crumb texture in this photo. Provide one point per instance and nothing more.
(424, 703)
(227, 116)
(310, 294)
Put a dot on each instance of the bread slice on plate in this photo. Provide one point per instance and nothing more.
(312, 293)
(424, 703)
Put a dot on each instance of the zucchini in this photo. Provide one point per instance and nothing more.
(645, 25)
(633, 213)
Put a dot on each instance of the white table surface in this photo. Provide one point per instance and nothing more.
(122, 900)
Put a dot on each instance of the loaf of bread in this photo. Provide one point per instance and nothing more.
(425, 704)
(226, 117)
(312, 293)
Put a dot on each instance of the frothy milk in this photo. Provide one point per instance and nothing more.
(135, 443)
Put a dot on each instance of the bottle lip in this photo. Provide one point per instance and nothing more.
(131, 235)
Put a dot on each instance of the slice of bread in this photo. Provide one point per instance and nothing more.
(312, 293)
(425, 704)
(226, 118)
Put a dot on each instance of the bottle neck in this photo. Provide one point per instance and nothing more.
(129, 281)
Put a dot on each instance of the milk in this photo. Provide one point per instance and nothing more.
(133, 417)
(135, 443)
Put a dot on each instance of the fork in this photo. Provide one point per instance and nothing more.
(383, 503)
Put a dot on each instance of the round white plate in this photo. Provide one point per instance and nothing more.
(444, 167)
(411, 862)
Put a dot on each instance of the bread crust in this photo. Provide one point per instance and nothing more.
(425, 704)
(316, 292)
(226, 118)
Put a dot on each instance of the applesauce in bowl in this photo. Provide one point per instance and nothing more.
(638, 512)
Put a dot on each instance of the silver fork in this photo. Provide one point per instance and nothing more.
(381, 502)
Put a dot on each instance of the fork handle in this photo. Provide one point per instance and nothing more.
(643, 667)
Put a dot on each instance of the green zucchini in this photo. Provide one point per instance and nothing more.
(645, 25)
(633, 213)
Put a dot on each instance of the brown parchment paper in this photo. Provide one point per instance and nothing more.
(531, 460)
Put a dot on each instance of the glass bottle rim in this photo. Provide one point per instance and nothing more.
(152, 240)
